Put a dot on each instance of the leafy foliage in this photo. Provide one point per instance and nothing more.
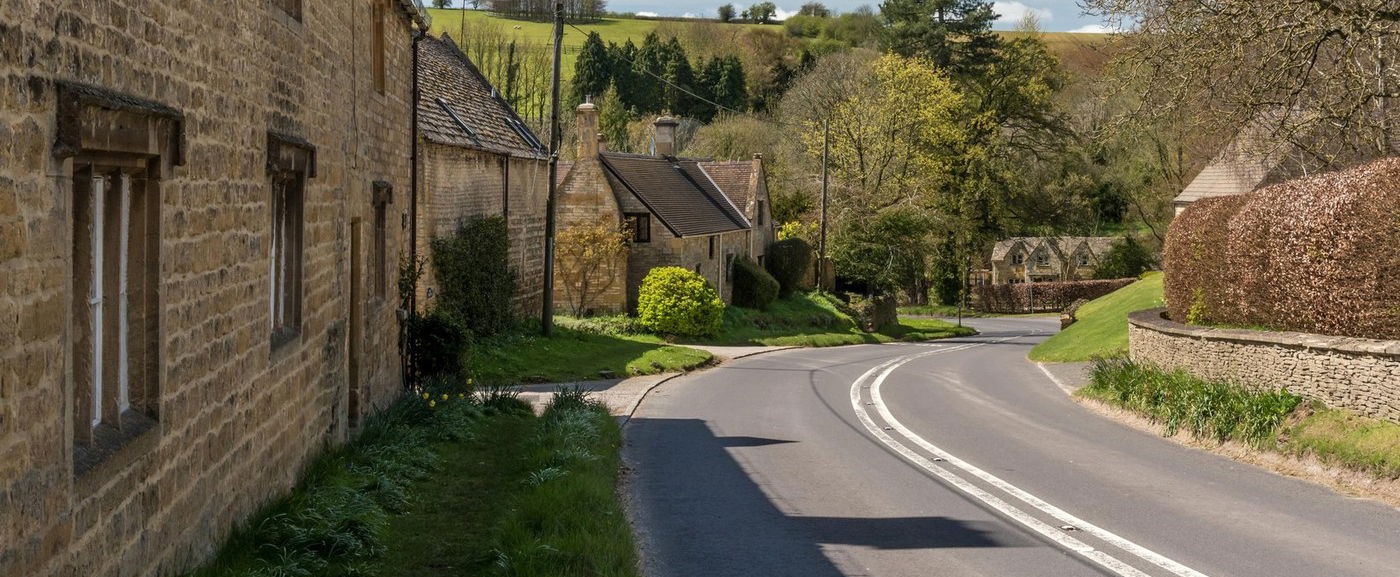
(436, 342)
(790, 263)
(474, 275)
(676, 301)
(753, 287)
(1126, 259)
(1041, 296)
(590, 257)
(955, 35)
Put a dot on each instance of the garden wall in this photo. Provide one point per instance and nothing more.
(1318, 255)
(1041, 296)
(1360, 375)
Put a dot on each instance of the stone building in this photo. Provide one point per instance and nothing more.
(689, 213)
(197, 251)
(476, 158)
(1047, 258)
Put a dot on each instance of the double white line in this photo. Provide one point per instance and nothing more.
(875, 377)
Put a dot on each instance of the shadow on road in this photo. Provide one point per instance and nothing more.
(700, 512)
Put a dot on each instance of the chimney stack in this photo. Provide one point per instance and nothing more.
(666, 136)
(587, 120)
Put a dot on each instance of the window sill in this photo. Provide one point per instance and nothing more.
(283, 337)
(114, 447)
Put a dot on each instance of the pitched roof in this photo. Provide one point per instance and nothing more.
(733, 177)
(1243, 165)
(1060, 246)
(681, 195)
(458, 107)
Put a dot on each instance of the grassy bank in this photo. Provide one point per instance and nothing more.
(1268, 420)
(1102, 326)
(573, 354)
(458, 486)
(815, 320)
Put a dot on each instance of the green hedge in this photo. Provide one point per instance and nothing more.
(790, 262)
(475, 281)
(1315, 255)
(676, 301)
(754, 288)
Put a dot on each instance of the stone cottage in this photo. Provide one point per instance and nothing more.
(476, 158)
(689, 213)
(1047, 258)
(198, 236)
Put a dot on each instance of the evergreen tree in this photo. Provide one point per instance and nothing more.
(592, 70)
(955, 35)
(729, 86)
(647, 96)
(680, 78)
(705, 83)
(613, 121)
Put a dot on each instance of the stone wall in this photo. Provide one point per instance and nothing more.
(235, 418)
(1359, 375)
(460, 183)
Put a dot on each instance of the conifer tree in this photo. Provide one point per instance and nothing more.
(647, 95)
(592, 70)
(955, 35)
(680, 77)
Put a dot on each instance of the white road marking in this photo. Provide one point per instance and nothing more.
(882, 371)
(1055, 379)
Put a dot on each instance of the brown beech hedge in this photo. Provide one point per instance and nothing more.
(1044, 296)
(1318, 254)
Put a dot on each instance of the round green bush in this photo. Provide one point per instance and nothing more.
(790, 262)
(676, 301)
(754, 288)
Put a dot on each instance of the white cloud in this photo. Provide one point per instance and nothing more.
(1013, 12)
(648, 14)
(690, 15)
(1094, 29)
(784, 14)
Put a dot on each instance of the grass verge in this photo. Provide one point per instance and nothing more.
(439, 487)
(573, 353)
(1102, 328)
(938, 311)
(815, 320)
(1275, 421)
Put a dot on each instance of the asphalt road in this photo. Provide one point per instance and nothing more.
(958, 457)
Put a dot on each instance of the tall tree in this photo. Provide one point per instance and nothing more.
(814, 9)
(648, 96)
(762, 12)
(956, 35)
(729, 84)
(624, 78)
(614, 120)
(726, 13)
(680, 78)
(592, 70)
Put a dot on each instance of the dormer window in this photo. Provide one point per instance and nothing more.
(1018, 259)
(1083, 259)
(1042, 259)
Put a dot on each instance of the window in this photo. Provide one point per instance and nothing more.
(1083, 259)
(290, 162)
(382, 197)
(1018, 258)
(119, 154)
(712, 248)
(116, 251)
(639, 226)
(1042, 259)
(290, 7)
(377, 41)
(760, 213)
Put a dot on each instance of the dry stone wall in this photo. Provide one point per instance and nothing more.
(1360, 375)
(236, 418)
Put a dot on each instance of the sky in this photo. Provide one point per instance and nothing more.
(1055, 15)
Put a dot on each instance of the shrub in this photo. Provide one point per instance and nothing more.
(1314, 255)
(475, 281)
(1125, 260)
(676, 301)
(436, 342)
(754, 288)
(1047, 296)
(790, 262)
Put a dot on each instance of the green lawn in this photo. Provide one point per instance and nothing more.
(813, 320)
(574, 355)
(1346, 439)
(1102, 329)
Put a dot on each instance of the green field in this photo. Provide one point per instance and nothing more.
(1102, 329)
(619, 30)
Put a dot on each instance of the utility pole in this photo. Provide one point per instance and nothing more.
(821, 253)
(547, 311)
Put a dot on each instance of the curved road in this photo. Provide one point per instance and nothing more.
(958, 457)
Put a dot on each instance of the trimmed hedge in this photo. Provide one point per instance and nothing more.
(754, 288)
(790, 262)
(1318, 255)
(1047, 296)
(677, 301)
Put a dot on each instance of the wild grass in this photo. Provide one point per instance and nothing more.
(1346, 439)
(1204, 409)
(1102, 328)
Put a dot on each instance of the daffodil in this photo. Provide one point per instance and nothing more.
(425, 396)
(444, 396)
(461, 395)
(432, 403)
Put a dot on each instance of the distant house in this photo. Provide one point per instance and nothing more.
(1246, 163)
(689, 213)
(1049, 258)
(476, 158)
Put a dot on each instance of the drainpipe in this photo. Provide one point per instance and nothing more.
(412, 210)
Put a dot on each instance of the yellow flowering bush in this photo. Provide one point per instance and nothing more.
(676, 301)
